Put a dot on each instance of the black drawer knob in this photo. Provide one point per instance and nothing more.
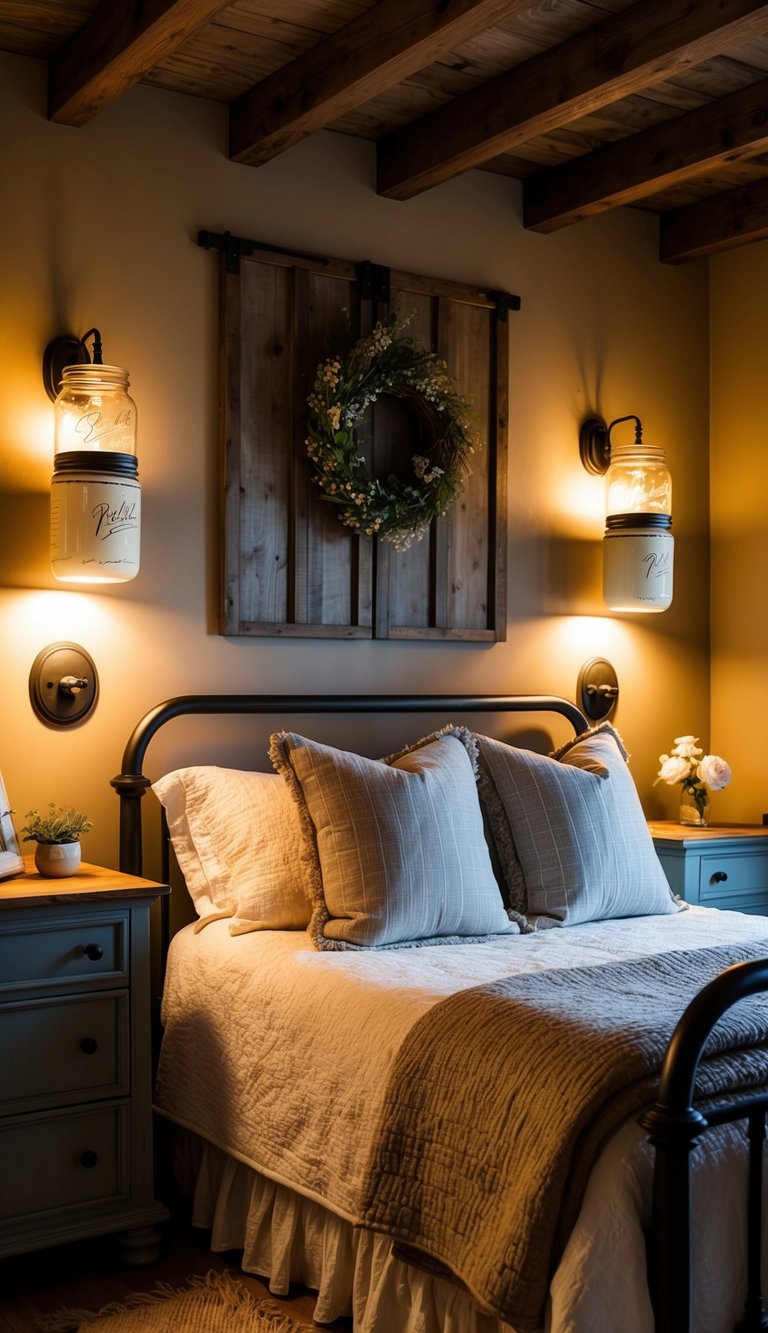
(719, 877)
(89, 1158)
(89, 1046)
(94, 952)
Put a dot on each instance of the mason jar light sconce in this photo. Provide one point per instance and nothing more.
(95, 491)
(638, 546)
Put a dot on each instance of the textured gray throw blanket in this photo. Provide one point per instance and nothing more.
(502, 1096)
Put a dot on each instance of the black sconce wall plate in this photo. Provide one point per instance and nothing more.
(63, 684)
(60, 353)
(597, 689)
(595, 446)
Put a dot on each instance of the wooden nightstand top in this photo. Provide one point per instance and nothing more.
(34, 890)
(673, 832)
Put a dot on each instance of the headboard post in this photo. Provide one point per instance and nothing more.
(130, 788)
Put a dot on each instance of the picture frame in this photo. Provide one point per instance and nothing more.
(11, 862)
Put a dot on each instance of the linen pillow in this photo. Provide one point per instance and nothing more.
(578, 828)
(394, 849)
(235, 835)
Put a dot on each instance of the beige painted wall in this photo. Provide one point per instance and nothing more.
(739, 472)
(98, 227)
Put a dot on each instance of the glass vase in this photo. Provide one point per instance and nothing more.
(691, 813)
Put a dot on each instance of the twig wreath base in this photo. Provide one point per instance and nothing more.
(399, 509)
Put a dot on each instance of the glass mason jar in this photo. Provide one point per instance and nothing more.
(94, 411)
(637, 481)
(638, 546)
(95, 491)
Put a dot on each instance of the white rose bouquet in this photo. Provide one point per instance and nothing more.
(694, 770)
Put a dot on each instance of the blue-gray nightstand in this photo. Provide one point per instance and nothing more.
(723, 865)
(75, 1062)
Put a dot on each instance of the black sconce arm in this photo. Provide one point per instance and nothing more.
(595, 442)
(67, 350)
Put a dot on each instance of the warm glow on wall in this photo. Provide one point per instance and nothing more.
(577, 502)
(576, 637)
(64, 614)
(27, 438)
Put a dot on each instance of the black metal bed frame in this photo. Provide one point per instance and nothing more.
(674, 1125)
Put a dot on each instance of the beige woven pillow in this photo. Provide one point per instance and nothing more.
(578, 828)
(394, 850)
(236, 837)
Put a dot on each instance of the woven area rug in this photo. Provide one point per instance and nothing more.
(217, 1303)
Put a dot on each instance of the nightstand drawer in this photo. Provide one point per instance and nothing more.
(55, 1052)
(48, 953)
(732, 874)
(50, 1163)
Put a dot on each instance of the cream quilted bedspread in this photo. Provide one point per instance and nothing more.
(281, 1055)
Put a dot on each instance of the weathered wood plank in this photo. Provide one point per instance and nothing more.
(373, 52)
(229, 453)
(264, 628)
(721, 222)
(444, 635)
(114, 49)
(408, 585)
(468, 350)
(329, 545)
(37, 27)
(298, 516)
(654, 159)
(645, 44)
(498, 447)
(266, 438)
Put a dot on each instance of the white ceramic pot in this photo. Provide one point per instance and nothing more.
(56, 860)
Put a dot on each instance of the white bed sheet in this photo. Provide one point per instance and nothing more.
(277, 1055)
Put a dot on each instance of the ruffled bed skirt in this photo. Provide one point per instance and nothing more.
(290, 1239)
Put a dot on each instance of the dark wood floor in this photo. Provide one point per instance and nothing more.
(88, 1275)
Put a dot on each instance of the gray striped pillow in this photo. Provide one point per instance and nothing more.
(578, 828)
(394, 850)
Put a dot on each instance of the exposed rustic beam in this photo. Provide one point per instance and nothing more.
(651, 42)
(374, 52)
(721, 222)
(118, 45)
(655, 159)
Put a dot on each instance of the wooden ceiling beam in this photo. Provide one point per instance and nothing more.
(117, 46)
(649, 43)
(721, 222)
(368, 56)
(653, 160)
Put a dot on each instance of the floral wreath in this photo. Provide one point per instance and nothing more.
(399, 509)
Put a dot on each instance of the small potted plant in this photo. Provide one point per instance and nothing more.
(57, 834)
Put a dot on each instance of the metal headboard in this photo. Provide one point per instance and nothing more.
(131, 782)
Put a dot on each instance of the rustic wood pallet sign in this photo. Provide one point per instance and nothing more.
(288, 565)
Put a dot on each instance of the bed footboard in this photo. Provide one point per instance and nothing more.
(674, 1127)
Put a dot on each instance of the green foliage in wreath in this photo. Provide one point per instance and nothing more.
(399, 509)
